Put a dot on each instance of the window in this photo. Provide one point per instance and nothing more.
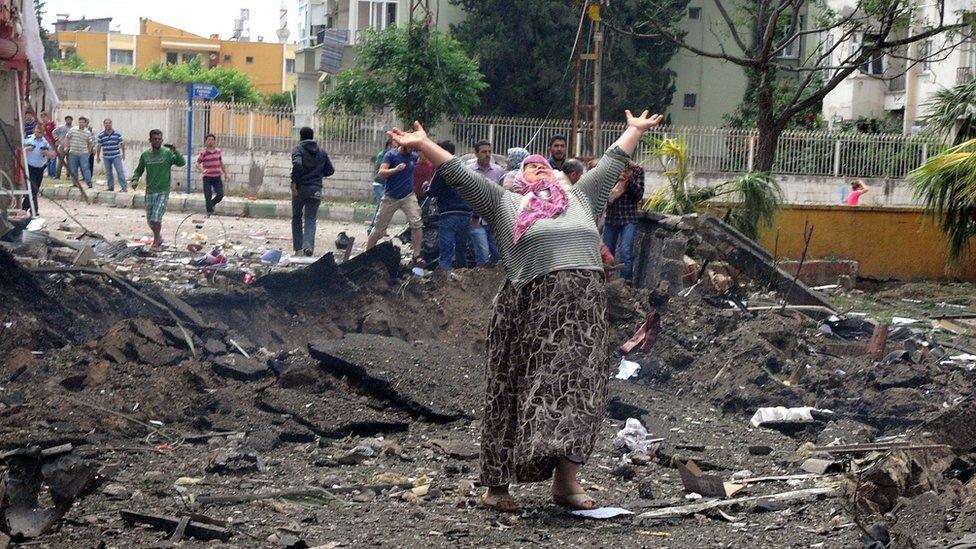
(925, 54)
(227, 58)
(120, 57)
(875, 64)
(377, 14)
(690, 101)
(172, 58)
(289, 65)
(249, 60)
(694, 13)
(792, 49)
(187, 57)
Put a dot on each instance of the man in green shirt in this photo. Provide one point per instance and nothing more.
(157, 163)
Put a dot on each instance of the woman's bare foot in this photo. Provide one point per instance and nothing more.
(566, 490)
(498, 498)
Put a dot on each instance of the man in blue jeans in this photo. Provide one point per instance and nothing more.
(621, 222)
(453, 218)
(309, 165)
(79, 143)
(485, 249)
(111, 148)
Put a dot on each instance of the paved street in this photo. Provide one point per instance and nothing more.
(113, 222)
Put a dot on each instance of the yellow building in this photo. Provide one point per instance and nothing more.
(271, 66)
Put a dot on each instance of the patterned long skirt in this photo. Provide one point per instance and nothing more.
(546, 378)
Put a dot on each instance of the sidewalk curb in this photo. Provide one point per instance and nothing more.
(230, 206)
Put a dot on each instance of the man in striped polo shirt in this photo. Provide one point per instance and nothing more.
(79, 144)
(211, 164)
(111, 149)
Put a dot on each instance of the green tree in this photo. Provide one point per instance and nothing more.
(421, 74)
(50, 48)
(524, 49)
(946, 185)
(232, 84)
(73, 63)
(280, 100)
(953, 110)
(755, 33)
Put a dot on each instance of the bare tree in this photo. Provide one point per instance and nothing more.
(753, 34)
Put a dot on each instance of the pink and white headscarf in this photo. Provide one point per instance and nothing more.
(544, 199)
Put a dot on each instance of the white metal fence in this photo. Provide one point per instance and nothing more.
(710, 150)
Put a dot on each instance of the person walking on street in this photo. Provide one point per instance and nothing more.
(397, 169)
(309, 165)
(211, 164)
(111, 149)
(49, 127)
(548, 340)
(38, 152)
(60, 138)
(30, 120)
(79, 144)
(157, 163)
(454, 217)
(379, 183)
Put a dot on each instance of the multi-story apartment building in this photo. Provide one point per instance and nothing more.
(270, 65)
(889, 87)
(328, 30)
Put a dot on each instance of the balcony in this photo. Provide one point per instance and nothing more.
(965, 75)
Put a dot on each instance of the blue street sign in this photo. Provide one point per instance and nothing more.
(204, 91)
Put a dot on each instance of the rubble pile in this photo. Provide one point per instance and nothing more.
(339, 402)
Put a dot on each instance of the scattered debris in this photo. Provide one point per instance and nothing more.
(697, 482)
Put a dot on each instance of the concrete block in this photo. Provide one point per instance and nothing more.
(261, 209)
(363, 213)
(195, 204)
(232, 207)
(342, 212)
(124, 200)
(176, 203)
(283, 210)
(139, 201)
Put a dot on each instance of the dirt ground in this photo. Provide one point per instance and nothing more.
(348, 397)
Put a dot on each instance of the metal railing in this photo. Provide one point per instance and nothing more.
(710, 149)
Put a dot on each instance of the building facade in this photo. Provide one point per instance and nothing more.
(892, 89)
(271, 66)
(328, 31)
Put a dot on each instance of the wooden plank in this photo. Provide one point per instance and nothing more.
(694, 508)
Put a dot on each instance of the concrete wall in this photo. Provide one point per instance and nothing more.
(86, 86)
(887, 243)
(268, 175)
(809, 189)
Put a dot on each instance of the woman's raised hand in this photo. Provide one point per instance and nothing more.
(645, 121)
(409, 139)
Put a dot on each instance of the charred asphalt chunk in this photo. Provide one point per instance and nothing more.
(410, 375)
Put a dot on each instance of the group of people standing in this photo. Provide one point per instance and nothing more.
(405, 179)
(49, 148)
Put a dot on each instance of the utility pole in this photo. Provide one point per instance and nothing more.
(585, 138)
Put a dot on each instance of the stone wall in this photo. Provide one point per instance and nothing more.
(268, 175)
(90, 86)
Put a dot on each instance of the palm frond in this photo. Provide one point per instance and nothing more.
(953, 109)
(946, 186)
(757, 198)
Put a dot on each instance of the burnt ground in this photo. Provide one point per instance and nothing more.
(366, 383)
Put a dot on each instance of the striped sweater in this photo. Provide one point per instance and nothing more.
(567, 241)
